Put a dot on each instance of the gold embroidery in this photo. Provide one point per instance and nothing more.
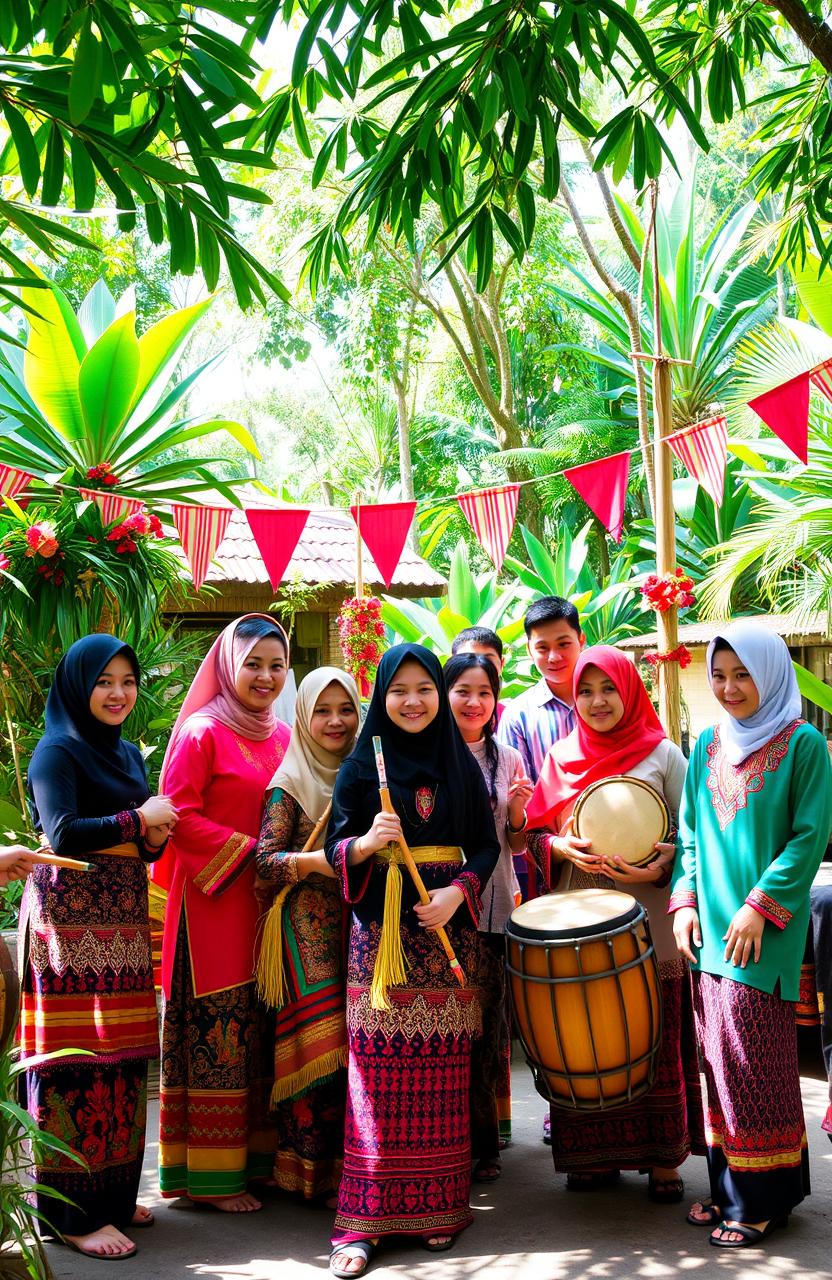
(412, 1015)
(769, 906)
(60, 951)
(730, 785)
(222, 862)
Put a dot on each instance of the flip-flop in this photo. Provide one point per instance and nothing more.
(665, 1190)
(441, 1247)
(751, 1236)
(100, 1257)
(714, 1214)
(362, 1247)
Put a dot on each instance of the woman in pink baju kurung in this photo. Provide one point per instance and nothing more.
(226, 745)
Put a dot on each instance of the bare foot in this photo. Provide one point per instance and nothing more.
(704, 1213)
(350, 1259)
(107, 1242)
(142, 1217)
(244, 1203)
(725, 1232)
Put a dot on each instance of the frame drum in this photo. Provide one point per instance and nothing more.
(586, 996)
(623, 816)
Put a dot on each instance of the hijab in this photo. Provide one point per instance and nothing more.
(767, 659)
(213, 692)
(111, 769)
(587, 755)
(308, 770)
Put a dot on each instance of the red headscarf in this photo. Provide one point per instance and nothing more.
(587, 755)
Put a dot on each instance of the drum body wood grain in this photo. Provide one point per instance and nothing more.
(585, 991)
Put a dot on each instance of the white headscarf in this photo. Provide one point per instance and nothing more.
(768, 662)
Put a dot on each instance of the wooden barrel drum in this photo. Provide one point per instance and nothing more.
(585, 990)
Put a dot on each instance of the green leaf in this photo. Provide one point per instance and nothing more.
(107, 381)
(815, 690)
(25, 146)
(299, 125)
(159, 348)
(84, 180)
(85, 80)
(463, 597)
(53, 168)
(814, 289)
(52, 362)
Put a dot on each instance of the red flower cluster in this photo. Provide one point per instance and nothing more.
(663, 591)
(682, 655)
(52, 572)
(361, 632)
(5, 563)
(41, 540)
(140, 525)
(103, 473)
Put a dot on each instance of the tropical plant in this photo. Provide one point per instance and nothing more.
(87, 402)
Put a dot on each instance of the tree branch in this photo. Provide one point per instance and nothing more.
(626, 240)
(815, 34)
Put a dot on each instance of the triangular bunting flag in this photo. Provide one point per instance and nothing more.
(276, 530)
(785, 409)
(201, 530)
(113, 506)
(821, 378)
(384, 529)
(603, 487)
(13, 481)
(702, 450)
(490, 513)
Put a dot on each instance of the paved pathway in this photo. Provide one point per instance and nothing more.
(528, 1227)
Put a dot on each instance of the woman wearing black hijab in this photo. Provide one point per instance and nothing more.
(87, 979)
(407, 1158)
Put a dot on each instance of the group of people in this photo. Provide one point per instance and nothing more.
(315, 1038)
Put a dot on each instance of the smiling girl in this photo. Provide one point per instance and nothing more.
(754, 825)
(305, 978)
(473, 685)
(407, 1153)
(618, 733)
(224, 749)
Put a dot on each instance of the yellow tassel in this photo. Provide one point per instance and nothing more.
(272, 986)
(389, 969)
(310, 1074)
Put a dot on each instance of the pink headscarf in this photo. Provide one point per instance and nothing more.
(213, 692)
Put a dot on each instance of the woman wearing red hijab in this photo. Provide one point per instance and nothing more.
(618, 733)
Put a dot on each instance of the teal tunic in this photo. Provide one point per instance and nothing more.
(754, 832)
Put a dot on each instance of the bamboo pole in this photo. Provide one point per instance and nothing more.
(359, 550)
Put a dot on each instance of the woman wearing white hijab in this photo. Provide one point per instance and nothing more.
(300, 972)
(753, 828)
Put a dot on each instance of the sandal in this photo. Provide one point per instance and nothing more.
(488, 1170)
(362, 1249)
(442, 1243)
(751, 1236)
(713, 1214)
(592, 1181)
(665, 1190)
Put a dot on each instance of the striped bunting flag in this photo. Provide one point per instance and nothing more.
(821, 378)
(702, 450)
(201, 529)
(113, 506)
(491, 513)
(13, 481)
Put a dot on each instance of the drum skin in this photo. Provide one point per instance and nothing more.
(586, 997)
(623, 816)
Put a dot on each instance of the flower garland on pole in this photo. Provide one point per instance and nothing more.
(681, 654)
(361, 632)
(663, 591)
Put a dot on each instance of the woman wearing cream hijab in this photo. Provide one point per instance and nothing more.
(300, 972)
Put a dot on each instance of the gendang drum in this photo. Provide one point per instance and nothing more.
(623, 816)
(585, 991)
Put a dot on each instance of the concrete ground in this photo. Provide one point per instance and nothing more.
(526, 1226)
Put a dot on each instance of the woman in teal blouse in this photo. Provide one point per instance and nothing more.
(754, 824)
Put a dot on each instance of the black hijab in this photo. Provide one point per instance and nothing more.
(111, 768)
(436, 754)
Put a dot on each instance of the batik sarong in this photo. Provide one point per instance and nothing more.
(491, 1055)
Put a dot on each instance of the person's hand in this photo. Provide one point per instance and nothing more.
(158, 811)
(745, 934)
(443, 903)
(686, 931)
(569, 848)
(386, 829)
(519, 795)
(155, 837)
(617, 869)
(15, 864)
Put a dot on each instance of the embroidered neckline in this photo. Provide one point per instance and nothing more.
(730, 785)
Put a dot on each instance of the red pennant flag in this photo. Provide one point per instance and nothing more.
(491, 513)
(785, 409)
(603, 487)
(702, 450)
(113, 506)
(201, 530)
(384, 529)
(276, 531)
(13, 481)
(821, 378)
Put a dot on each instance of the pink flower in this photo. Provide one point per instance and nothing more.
(41, 539)
(5, 563)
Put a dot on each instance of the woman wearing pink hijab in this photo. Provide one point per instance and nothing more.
(224, 749)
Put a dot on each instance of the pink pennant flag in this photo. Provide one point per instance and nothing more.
(821, 378)
(277, 530)
(384, 529)
(785, 409)
(491, 513)
(603, 487)
(13, 481)
(702, 449)
(201, 530)
(113, 506)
